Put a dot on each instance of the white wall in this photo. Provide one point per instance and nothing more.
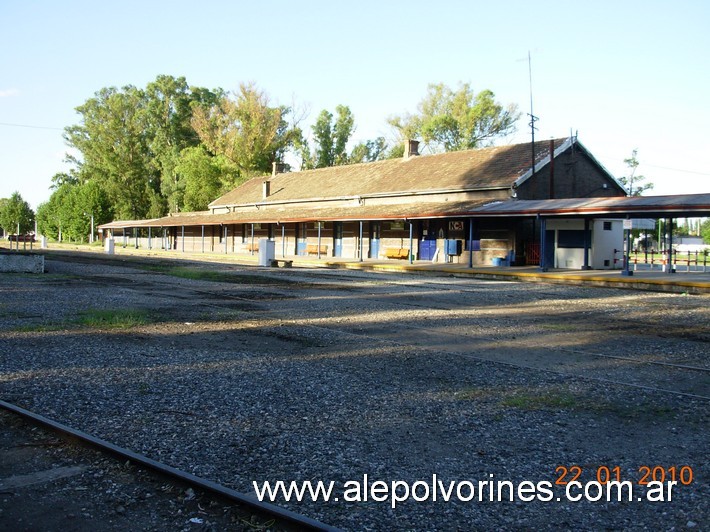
(601, 254)
(604, 243)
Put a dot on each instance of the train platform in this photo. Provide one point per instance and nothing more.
(642, 278)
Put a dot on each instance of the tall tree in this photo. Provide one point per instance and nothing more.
(332, 138)
(449, 120)
(15, 212)
(205, 177)
(705, 231)
(115, 151)
(168, 113)
(246, 130)
(633, 183)
(369, 151)
(323, 134)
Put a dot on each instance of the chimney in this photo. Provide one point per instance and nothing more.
(411, 148)
(267, 188)
(277, 168)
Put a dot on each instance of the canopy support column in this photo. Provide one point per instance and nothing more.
(411, 242)
(586, 243)
(543, 245)
(283, 240)
(669, 246)
(360, 241)
(319, 239)
(627, 256)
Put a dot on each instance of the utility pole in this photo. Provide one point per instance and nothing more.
(533, 118)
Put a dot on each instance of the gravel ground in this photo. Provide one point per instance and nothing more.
(47, 483)
(302, 375)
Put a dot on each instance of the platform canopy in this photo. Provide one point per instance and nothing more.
(674, 206)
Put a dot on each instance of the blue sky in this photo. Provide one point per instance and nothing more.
(623, 74)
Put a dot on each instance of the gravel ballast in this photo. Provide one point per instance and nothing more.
(304, 375)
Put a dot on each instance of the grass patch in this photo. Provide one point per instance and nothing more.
(547, 401)
(114, 319)
(198, 274)
(560, 326)
(562, 399)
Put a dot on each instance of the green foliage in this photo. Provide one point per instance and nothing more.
(67, 214)
(114, 319)
(115, 149)
(204, 177)
(633, 183)
(451, 120)
(331, 139)
(245, 130)
(323, 133)
(14, 211)
(168, 113)
(705, 231)
(369, 151)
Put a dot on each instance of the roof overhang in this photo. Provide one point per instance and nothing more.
(685, 205)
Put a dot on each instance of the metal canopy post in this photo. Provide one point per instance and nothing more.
(411, 242)
(252, 239)
(585, 265)
(125, 241)
(543, 230)
(627, 258)
(319, 240)
(470, 243)
(283, 240)
(669, 244)
(226, 234)
(150, 239)
(182, 238)
(135, 234)
(360, 240)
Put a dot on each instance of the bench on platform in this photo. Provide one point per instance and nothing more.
(312, 249)
(397, 253)
(253, 247)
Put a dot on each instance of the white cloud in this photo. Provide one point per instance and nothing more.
(7, 93)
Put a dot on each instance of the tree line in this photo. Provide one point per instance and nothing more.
(173, 147)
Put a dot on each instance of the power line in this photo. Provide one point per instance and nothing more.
(31, 127)
(675, 169)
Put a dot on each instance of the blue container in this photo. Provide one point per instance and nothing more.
(497, 261)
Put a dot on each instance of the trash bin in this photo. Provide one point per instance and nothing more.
(267, 251)
(109, 246)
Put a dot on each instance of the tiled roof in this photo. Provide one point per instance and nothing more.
(496, 167)
(290, 214)
(639, 206)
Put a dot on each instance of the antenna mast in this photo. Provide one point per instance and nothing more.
(533, 118)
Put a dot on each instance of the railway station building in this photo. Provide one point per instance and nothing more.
(448, 207)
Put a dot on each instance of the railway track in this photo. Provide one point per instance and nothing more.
(273, 516)
(301, 370)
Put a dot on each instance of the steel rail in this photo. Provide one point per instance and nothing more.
(301, 522)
